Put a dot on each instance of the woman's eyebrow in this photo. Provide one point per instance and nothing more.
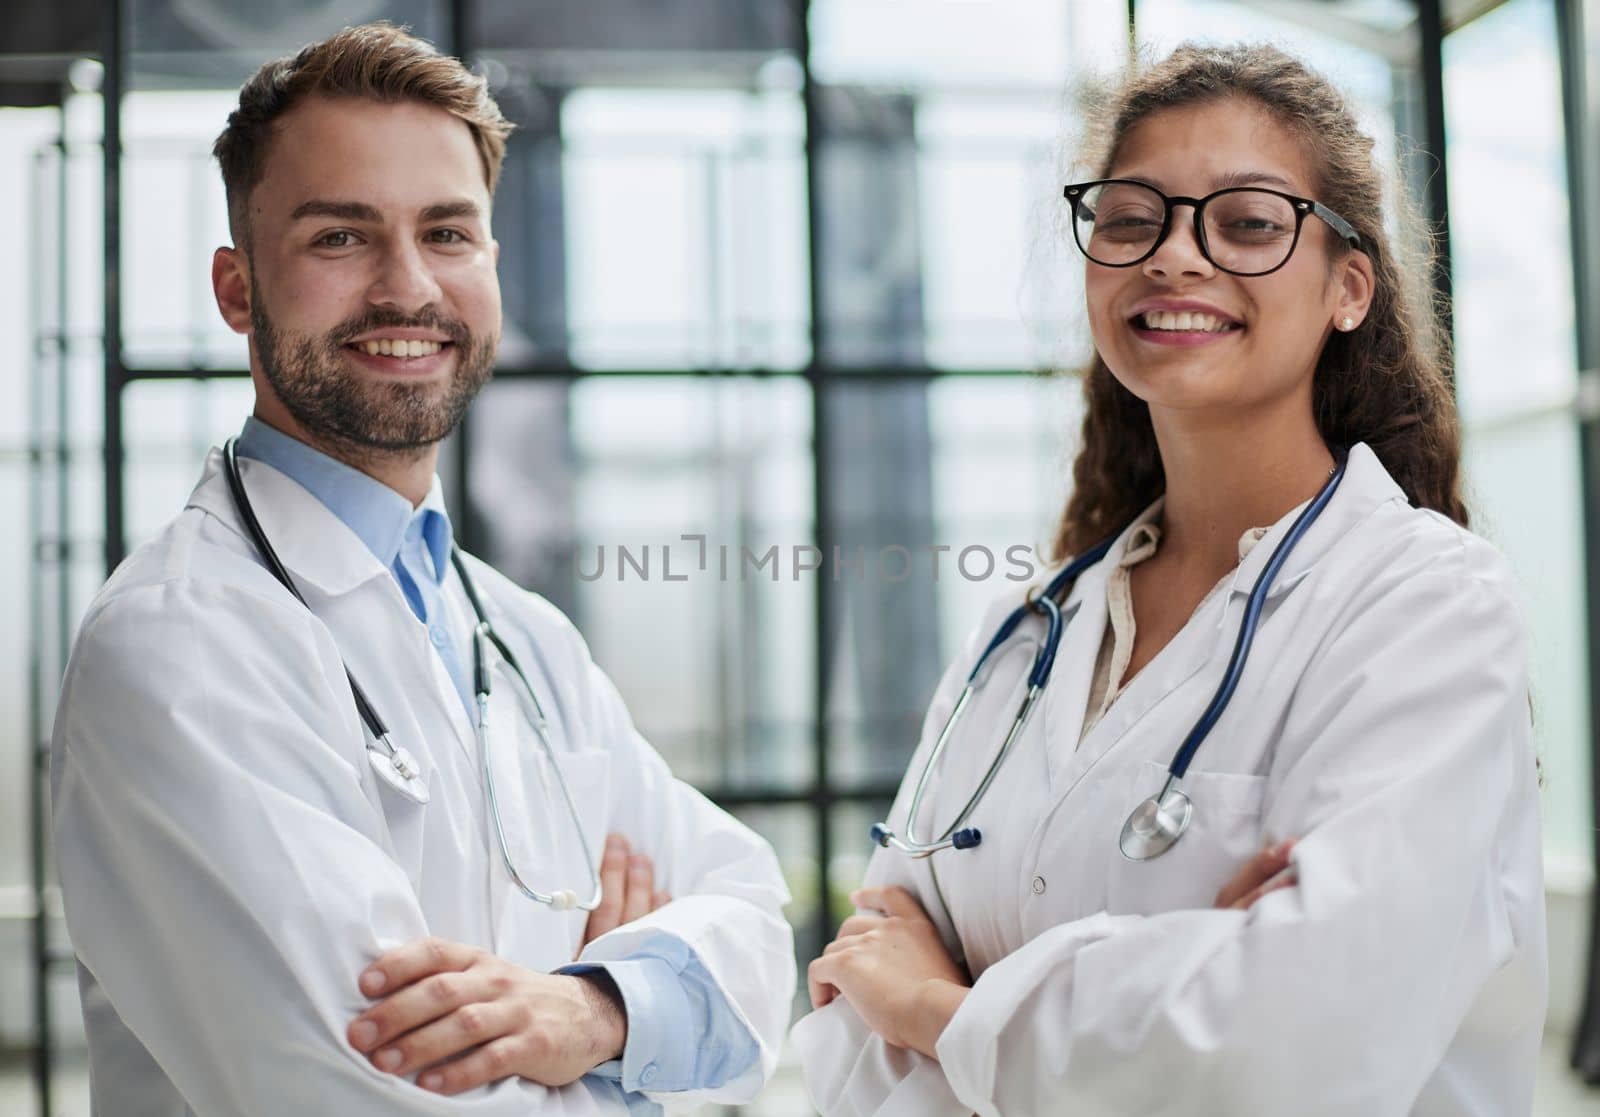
(1250, 178)
(1223, 181)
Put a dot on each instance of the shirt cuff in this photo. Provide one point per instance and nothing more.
(659, 1054)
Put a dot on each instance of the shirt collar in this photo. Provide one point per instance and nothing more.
(377, 514)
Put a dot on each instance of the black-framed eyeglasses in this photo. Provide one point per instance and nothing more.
(1243, 230)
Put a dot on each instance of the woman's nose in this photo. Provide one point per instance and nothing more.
(1179, 253)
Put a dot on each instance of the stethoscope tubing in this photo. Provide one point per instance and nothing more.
(484, 635)
(954, 835)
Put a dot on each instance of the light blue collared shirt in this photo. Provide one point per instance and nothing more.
(683, 1034)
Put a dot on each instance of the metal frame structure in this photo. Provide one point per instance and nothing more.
(822, 798)
(1580, 80)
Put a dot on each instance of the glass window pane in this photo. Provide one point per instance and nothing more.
(174, 215)
(997, 43)
(587, 490)
(168, 426)
(1368, 49)
(686, 228)
(1523, 489)
(1510, 238)
(177, 45)
(951, 494)
(989, 189)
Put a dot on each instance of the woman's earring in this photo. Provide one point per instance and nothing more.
(1348, 324)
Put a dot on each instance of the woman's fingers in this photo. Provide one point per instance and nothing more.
(1256, 872)
(857, 924)
(1285, 879)
(822, 992)
(659, 900)
(891, 900)
(613, 886)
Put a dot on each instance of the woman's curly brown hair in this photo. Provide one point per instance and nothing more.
(1384, 383)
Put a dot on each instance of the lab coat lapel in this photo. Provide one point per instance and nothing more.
(1206, 642)
(346, 586)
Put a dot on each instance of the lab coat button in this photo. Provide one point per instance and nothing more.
(648, 1074)
(1038, 886)
(436, 634)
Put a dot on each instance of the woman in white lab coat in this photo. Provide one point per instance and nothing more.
(1382, 718)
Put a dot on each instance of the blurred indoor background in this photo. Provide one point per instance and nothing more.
(775, 273)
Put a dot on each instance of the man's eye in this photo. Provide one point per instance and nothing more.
(460, 237)
(327, 241)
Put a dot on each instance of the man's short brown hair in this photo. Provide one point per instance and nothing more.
(377, 61)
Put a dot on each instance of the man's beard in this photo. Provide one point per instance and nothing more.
(338, 406)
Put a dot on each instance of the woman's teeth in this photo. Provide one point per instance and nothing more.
(397, 347)
(1184, 320)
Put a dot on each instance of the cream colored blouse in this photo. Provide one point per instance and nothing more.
(1116, 644)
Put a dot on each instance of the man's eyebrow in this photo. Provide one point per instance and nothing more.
(343, 211)
(444, 211)
(361, 211)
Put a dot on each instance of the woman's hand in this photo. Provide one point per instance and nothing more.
(893, 969)
(1266, 872)
(464, 1017)
(627, 889)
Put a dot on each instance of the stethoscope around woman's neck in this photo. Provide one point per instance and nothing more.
(1157, 823)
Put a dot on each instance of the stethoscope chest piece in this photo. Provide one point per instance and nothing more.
(399, 769)
(1156, 824)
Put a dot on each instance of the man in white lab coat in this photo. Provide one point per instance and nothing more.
(266, 926)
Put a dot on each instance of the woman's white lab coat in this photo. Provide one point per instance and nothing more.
(1383, 719)
(231, 863)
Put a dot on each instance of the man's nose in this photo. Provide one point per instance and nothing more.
(406, 279)
(1180, 253)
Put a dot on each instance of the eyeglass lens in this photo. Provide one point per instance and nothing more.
(1246, 231)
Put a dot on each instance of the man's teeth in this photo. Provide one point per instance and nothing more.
(398, 347)
(1184, 320)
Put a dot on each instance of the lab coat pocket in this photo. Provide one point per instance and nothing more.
(1224, 832)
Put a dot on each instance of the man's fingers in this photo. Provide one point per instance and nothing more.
(469, 1026)
(490, 1063)
(892, 900)
(1255, 872)
(640, 889)
(613, 886)
(659, 900)
(413, 961)
(415, 1006)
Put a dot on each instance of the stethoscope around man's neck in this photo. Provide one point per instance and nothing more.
(1157, 823)
(394, 764)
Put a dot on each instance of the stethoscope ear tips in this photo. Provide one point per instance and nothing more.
(967, 839)
(880, 834)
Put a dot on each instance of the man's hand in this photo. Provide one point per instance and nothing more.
(440, 1000)
(893, 969)
(627, 889)
(1266, 872)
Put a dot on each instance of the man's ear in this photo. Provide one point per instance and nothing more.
(230, 283)
(1357, 284)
